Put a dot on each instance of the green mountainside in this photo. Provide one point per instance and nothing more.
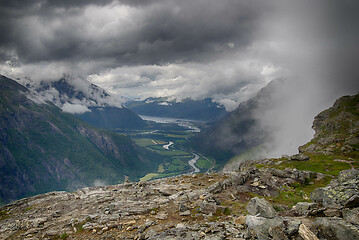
(112, 118)
(43, 149)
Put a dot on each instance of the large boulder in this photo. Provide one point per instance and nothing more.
(304, 208)
(260, 208)
(341, 192)
(261, 226)
(336, 229)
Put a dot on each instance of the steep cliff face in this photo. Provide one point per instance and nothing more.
(337, 129)
(43, 149)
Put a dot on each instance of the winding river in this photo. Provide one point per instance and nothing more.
(192, 163)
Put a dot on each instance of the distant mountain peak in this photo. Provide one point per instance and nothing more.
(74, 95)
(204, 110)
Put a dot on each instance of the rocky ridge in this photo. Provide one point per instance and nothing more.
(201, 206)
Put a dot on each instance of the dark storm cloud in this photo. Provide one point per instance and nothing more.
(91, 37)
(157, 33)
(342, 52)
(23, 4)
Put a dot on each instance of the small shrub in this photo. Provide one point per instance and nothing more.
(64, 235)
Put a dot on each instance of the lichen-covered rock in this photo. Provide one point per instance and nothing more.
(343, 192)
(292, 226)
(260, 208)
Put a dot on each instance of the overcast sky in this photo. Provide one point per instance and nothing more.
(226, 50)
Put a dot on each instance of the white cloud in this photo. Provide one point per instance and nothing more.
(99, 182)
(74, 108)
(235, 79)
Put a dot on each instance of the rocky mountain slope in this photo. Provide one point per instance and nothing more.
(43, 149)
(90, 103)
(337, 129)
(311, 195)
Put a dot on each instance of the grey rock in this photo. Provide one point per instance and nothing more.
(335, 229)
(151, 234)
(279, 173)
(261, 208)
(207, 208)
(347, 175)
(303, 208)
(247, 234)
(215, 237)
(343, 192)
(185, 213)
(292, 227)
(182, 207)
(215, 188)
(332, 212)
(240, 179)
(299, 157)
(261, 225)
(277, 233)
(38, 221)
(351, 215)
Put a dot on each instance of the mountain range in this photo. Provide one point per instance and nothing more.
(202, 110)
(89, 102)
(43, 148)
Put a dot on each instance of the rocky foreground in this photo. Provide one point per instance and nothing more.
(201, 206)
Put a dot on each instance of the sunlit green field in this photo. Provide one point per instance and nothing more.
(176, 156)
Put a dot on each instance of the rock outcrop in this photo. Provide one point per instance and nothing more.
(203, 206)
(342, 192)
(337, 128)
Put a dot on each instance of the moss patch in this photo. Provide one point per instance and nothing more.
(319, 163)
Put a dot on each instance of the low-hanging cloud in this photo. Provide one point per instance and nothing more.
(74, 108)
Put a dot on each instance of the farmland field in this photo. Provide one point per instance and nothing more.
(169, 140)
